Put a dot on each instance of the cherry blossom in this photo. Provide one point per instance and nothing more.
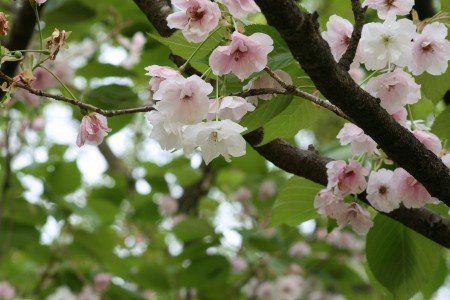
(240, 8)
(384, 7)
(62, 293)
(102, 281)
(87, 293)
(380, 191)
(215, 138)
(243, 194)
(357, 216)
(338, 34)
(267, 190)
(300, 249)
(390, 42)
(7, 292)
(93, 129)
(159, 74)
(431, 141)
(289, 287)
(230, 107)
(184, 100)
(360, 142)
(346, 179)
(266, 82)
(265, 291)
(243, 56)
(400, 116)
(40, 1)
(395, 90)
(168, 205)
(196, 19)
(56, 41)
(167, 134)
(431, 50)
(411, 192)
(238, 264)
(4, 25)
(327, 203)
(135, 45)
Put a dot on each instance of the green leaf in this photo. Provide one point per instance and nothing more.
(96, 69)
(400, 259)
(295, 202)
(192, 229)
(265, 112)
(434, 87)
(64, 179)
(181, 47)
(205, 272)
(441, 126)
(298, 115)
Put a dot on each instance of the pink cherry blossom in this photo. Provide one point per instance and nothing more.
(431, 50)
(243, 194)
(357, 216)
(102, 281)
(159, 74)
(346, 179)
(446, 160)
(400, 116)
(360, 142)
(238, 264)
(411, 192)
(289, 287)
(299, 249)
(243, 56)
(168, 205)
(7, 292)
(93, 129)
(240, 8)
(230, 107)
(267, 190)
(380, 192)
(88, 293)
(135, 45)
(395, 90)
(327, 203)
(266, 81)
(383, 7)
(215, 138)
(184, 100)
(431, 141)
(40, 1)
(166, 133)
(383, 44)
(196, 19)
(356, 72)
(265, 291)
(339, 31)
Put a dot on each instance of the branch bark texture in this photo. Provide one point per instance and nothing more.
(301, 32)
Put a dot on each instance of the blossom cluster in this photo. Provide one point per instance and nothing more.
(396, 50)
(184, 116)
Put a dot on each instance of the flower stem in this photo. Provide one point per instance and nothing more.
(59, 80)
(181, 69)
(413, 126)
(217, 99)
(38, 22)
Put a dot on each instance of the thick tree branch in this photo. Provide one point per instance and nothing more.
(311, 165)
(301, 32)
(308, 163)
(157, 12)
(349, 55)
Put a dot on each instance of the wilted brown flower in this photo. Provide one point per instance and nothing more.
(4, 26)
(56, 40)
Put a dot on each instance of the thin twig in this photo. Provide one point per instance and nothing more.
(89, 107)
(293, 90)
(349, 55)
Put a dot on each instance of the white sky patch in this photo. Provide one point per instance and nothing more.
(119, 141)
(304, 138)
(91, 163)
(34, 188)
(51, 230)
(308, 227)
(112, 55)
(60, 127)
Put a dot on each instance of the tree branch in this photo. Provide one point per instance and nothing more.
(311, 165)
(156, 12)
(349, 55)
(299, 29)
(89, 107)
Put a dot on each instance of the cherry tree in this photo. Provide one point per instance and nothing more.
(239, 149)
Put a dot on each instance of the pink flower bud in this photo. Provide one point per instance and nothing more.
(168, 205)
(93, 129)
(102, 281)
